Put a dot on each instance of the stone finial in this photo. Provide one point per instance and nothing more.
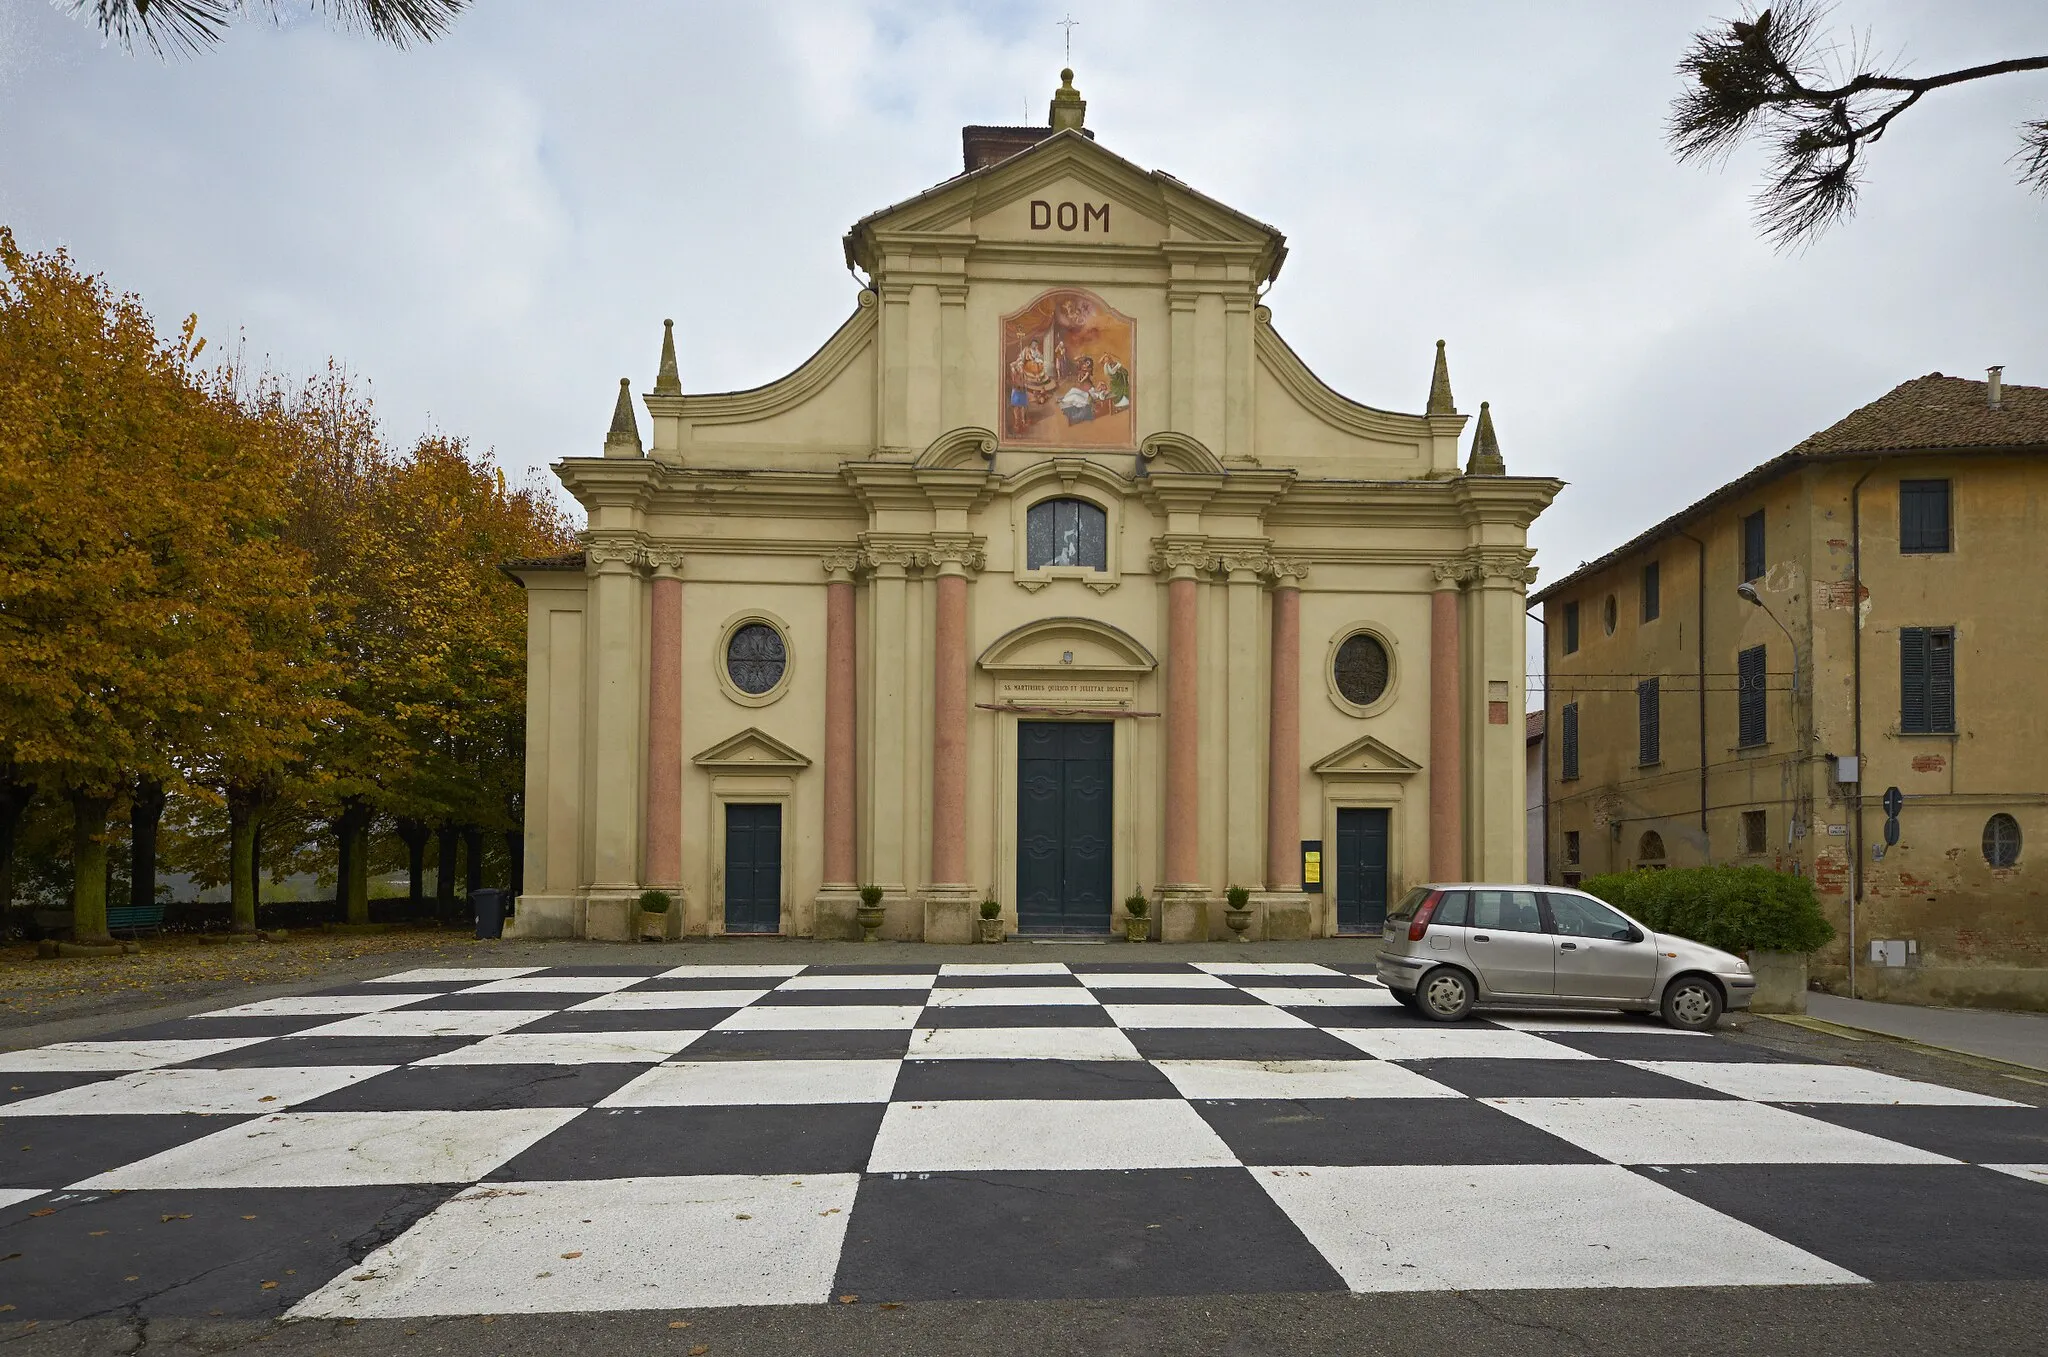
(1486, 459)
(1068, 107)
(624, 438)
(1440, 402)
(666, 380)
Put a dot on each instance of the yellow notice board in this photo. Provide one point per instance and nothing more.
(1312, 865)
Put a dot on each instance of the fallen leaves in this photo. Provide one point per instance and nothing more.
(45, 1211)
(270, 1286)
(573, 1253)
(700, 1350)
(848, 1300)
(185, 1216)
(679, 1323)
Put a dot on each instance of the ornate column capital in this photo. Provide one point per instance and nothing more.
(841, 566)
(612, 555)
(1504, 568)
(1181, 558)
(1453, 573)
(665, 562)
(890, 560)
(1244, 565)
(954, 556)
(1284, 574)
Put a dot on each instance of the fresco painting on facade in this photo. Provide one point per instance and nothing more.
(1068, 361)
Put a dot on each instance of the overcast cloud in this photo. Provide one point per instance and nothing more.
(491, 228)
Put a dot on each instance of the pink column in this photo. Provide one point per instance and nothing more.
(949, 729)
(1283, 758)
(1183, 733)
(839, 725)
(665, 723)
(1446, 760)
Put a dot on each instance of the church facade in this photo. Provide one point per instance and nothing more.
(1054, 577)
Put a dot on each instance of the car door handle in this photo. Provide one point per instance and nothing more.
(1481, 937)
(1567, 946)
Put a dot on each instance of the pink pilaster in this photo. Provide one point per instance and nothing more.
(949, 730)
(839, 727)
(1183, 734)
(1283, 774)
(665, 724)
(1446, 759)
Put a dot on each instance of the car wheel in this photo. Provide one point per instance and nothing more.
(1404, 997)
(1445, 995)
(1692, 1003)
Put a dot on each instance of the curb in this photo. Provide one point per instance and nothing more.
(2029, 1074)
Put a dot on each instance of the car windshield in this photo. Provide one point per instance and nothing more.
(1409, 903)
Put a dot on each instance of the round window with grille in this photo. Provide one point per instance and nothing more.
(1361, 670)
(2002, 840)
(756, 658)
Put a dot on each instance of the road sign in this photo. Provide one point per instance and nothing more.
(1894, 801)
(1891, 829)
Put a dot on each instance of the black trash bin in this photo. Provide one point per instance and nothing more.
(490, 912)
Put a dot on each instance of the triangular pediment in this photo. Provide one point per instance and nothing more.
(752, 750)
(1134, 207)
(1366, 757)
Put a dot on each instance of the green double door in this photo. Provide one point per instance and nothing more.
(753, 868)
(1361, 870)
(1065, 822)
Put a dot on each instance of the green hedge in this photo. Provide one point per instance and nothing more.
(1737, 909)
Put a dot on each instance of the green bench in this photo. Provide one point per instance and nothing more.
(132, 919)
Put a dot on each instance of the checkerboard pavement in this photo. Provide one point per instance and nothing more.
(524, 1139)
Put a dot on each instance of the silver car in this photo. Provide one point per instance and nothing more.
(1449, 947)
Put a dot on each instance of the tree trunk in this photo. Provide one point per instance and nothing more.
(415, 835)
(354, 889)
(445, 841)
(473, 860)
(89, 866)
(145, 813)
(515, 850)
(256, 863)
(344, 861)
(244, 808)
(14, 799)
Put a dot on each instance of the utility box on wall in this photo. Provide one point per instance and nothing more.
(1894, 952)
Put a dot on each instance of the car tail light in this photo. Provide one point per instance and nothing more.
(1420, 924)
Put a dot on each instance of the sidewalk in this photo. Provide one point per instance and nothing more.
(2016, 1038)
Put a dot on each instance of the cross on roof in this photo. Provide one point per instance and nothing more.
(1070, 23)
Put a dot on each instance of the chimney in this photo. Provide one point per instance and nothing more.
(1994, 385)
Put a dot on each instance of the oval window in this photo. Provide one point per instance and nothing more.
(1361, 670)
(2002, 840)
(755, 658)
(1609, 614)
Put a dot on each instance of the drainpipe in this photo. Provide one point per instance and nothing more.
(1545, 811)
(1700, 646)
(1856, 717)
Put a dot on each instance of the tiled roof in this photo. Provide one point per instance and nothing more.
(568, 560)
(1931, 413)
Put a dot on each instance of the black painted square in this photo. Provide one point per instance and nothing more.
(944, 1080)
(479, 1088)
(1331, 1131)
(60, 1151)
(610, 1142)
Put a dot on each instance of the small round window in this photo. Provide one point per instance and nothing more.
(2002, 840)
(1361, 670)
(755, 658)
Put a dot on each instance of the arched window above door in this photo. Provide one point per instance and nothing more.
(1066, 532)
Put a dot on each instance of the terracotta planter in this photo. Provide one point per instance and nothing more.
(1239, 920)
(991, 929)
(870, 917)
(1138, 929)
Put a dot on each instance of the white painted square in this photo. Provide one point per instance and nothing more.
(567, 1048)
(1308, 996)
(1443, 1043)
(557, 984)
(468, 1022)
(453, 975)
(1013, 996)
(860, 982)
(2035, 1173)
(1152, 980)
(1292, 1079)
(1482, 1227)
(1020, 1043)
(637, 1244)
(1001, 968)
(1200, 1015)
(822, 1018)
(756, 1083)
(10, 1195)
(1775, 1083)
(1616, 1024)
(999, 1135)
(645, 1000)
(164, 1092)
(1681, 1131)
(86, 1057)
(729, 972)
(318, 1005)
(344, 1149)
(1265, 968)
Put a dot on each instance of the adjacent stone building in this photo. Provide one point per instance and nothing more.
(1053, 577)
(1861, 615)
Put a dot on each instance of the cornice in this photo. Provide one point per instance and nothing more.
(1339, 411)
(784, 393)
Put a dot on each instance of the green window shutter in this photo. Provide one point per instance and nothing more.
(1913, 713)
(1752, 717)
(1923, 516)
(1568, 758)
(1648, 731)
(1941, 679)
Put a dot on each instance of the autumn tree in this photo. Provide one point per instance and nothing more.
(1819, 104)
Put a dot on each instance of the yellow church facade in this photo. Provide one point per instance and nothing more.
(1054, 577)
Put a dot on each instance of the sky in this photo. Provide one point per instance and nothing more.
(491, 228)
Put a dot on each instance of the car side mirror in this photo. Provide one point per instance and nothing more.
(1635, 934)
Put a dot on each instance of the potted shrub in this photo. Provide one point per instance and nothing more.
(1773, 918)
(1137, 928)
(870, 913)
(1237, 910)
(991, 919)
(654, 911)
